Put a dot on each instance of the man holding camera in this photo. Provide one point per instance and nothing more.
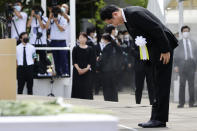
(19, 21)
(65, 10)
(37, 22)
(58, 25)
(38, 37)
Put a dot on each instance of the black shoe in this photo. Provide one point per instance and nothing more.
(192, 105)
(180, 106)
(140, 124)
(153, 124)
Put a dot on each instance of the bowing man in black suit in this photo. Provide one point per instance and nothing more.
(160, 45)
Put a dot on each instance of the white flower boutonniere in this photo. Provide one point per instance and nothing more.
(141, 42)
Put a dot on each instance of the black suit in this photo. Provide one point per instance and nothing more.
(143, 69)
(109, 73)
(187, 70)
(140, 22)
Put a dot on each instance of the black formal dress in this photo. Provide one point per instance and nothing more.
(141, 22)
(187, 68)
(82, 85)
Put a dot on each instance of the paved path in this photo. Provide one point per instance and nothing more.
(130, 114)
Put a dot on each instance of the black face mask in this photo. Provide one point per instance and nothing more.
(25, 40)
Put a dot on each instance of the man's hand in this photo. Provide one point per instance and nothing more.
(165, 57)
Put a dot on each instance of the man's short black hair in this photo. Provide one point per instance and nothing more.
(38, 8)
(106, 12)
(90, 30)
(109, 28)
(185, 27)
(21, 35)
(107, 36)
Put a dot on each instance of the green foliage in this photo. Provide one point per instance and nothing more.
(142, 3)
(96, 21)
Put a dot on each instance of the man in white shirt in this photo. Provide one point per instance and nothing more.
(25, 54)
(19, 21)
(65, 10)
(185, 64)
(38, 34)
(58, 25)
(37, 22)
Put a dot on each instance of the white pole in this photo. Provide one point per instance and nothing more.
(181, 18)
(44, 6)
(72, 38)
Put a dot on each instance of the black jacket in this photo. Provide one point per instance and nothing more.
(141, 22)
(111, 59)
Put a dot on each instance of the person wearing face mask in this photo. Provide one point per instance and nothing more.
(25, 54)
(185, 64)
(109, 64)
(65, 10)
(91, 32)
(110, 29)
(82, 68)
(19, 21)
(58, 25)
(38, 37)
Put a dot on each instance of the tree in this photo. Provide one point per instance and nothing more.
(142, 3)
(96, 21)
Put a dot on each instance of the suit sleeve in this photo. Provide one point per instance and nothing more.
(152, 28)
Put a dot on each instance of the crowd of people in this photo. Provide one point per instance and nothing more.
(108, 64)
(53, 31)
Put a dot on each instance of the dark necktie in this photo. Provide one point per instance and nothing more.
(188, 50)
(24, 58)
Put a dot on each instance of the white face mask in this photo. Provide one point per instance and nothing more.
(63, 9)
(126, 37)
(116, 32)
(18, 8)
(185, 35)
(40, 13)
(95, 34)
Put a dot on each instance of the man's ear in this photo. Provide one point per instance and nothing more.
(114, 14)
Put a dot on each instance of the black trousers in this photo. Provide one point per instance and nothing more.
(98, 82)
(25, 75)
(162, 81)
(187, 73)
(110, 90)
(144, 70)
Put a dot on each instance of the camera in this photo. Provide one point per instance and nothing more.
(56, 10)
(39, 35)
(37, 12)
(9, 9)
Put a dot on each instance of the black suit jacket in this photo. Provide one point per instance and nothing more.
(179, 55)
(141, 22)
(91, 44)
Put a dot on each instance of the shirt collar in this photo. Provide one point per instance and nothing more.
(123, 15)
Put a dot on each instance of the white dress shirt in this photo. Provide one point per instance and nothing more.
(123, 15)
(20, 25)
(187, 42)
(30, 54)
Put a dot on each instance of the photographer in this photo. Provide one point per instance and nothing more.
(38, 37)
(37, 22)
(19, 21)
(58, 25)
(65, 10)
